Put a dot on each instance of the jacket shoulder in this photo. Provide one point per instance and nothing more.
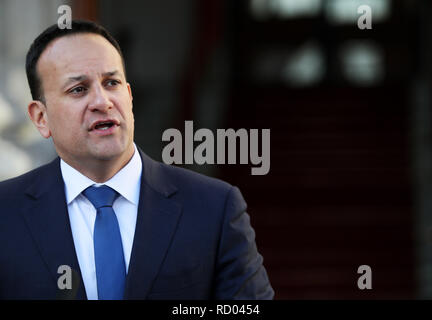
(184, 178)
(13, 186)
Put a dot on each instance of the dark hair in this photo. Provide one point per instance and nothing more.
(51, 33)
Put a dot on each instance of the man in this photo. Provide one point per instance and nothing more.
(125, 226)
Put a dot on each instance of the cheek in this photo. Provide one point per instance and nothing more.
(65, 126)
(131, 123)
(126, 110)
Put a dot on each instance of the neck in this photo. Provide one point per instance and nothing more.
(101, 170)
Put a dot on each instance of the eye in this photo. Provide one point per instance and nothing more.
(78, 90)
(112, 83)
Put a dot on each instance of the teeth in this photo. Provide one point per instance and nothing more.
(103, 125)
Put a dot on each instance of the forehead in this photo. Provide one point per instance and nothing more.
(82, 53)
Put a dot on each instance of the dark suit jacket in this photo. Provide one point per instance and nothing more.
(193, 239)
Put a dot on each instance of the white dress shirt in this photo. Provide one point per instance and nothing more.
(82, 214)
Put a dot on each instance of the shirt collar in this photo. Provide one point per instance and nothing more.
(126, 182)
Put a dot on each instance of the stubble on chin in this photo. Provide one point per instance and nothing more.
(112, 150)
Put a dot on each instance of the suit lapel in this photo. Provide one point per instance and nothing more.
(47, 218)
(158, 216)
(157, 220)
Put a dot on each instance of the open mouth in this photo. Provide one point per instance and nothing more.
(104, 125)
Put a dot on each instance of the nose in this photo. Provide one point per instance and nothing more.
(99, 99)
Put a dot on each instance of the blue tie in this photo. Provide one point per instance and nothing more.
(108, 249)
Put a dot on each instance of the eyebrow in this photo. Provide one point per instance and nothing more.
(84, 77)
(110, 73)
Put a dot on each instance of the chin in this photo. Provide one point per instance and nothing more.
(110, 152)
(107, 155)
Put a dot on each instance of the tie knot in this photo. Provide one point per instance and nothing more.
(100, 197)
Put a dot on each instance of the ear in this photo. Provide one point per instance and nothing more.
(130, 91)
(38, 115)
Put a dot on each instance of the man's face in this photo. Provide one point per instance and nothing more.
(88, 109)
